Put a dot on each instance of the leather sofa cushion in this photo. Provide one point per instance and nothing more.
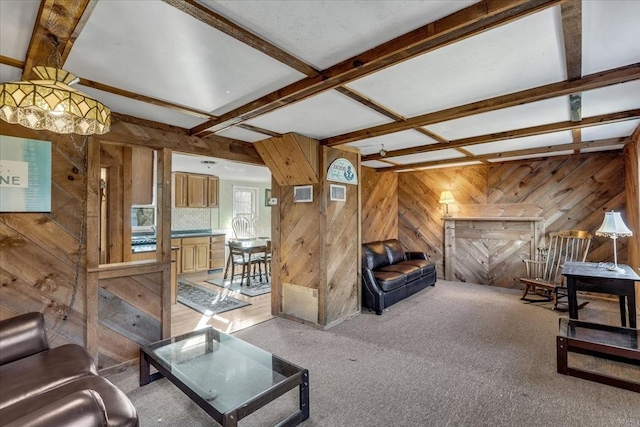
(425, 265)
(46, 370)
(120, 411)
(389, 280)
(375, 255)
(394, 251)
(411, 271)
(22, 336)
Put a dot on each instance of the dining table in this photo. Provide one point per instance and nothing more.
(251, 246)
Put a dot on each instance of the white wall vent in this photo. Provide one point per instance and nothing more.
(303, 193)
(300, 302)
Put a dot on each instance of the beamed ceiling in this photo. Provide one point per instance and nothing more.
(437, 83)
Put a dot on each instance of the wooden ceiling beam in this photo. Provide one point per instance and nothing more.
(470, 21)
(592, 81)
(226, 26)
(511, 134)
(571, 11)
(506, 154)
(57, 26)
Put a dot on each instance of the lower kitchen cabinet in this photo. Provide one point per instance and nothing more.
(194, 254)
(216, 261)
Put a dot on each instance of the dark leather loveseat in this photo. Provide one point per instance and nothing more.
(42, 386)
(389, 274)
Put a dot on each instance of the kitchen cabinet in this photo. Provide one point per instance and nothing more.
(195, 191)
(141, 176)
(217, 252)
(177, 243)
(194, 254)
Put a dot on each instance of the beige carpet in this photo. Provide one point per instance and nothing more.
(453, 355)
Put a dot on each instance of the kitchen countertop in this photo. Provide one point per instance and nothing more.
(148, 246)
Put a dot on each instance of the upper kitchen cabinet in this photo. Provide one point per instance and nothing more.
(142, 176)
(195, 191)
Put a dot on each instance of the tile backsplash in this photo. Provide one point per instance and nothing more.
(190, 219)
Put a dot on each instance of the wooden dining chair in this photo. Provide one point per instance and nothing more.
(544, 278)
(242, 258)
(241, 227)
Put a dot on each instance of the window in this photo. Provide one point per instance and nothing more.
(245, 202)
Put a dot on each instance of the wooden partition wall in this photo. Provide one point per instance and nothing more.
(379, 205)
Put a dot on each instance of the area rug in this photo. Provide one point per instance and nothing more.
(255, 288)
(204, 300)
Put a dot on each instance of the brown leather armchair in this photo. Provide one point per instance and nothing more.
(42, 386)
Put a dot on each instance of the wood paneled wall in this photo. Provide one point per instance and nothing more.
(632, 185)
(569, 192)
(42, 256)
(379, 204)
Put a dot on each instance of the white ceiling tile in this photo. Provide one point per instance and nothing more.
(612, 130)
(611, 99)
(393, 141)
(152, 48)
(523, 54)
(532, 156)
(610, 34)
(325, 32)
(242, 134)
(223, 169)
(448, 153)
(142, 110)
(522, 116)
(536, 141)
(321, 116)
(17, 18)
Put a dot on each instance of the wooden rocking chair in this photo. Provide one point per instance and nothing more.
(544, 277)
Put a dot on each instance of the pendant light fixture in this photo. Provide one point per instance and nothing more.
(52, 104)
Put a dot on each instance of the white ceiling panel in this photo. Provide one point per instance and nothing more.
(325, 32)
(611, 99)
(393, 141)
(607, 148)
(242, 134)
(223, 169)
(137, 53)
(610, 34)
(324, 115)
(521, 55)
(9, 74)
(612, 130)
(533, 156)
(447, 165)
(522, 116)
(524, 143)
(141, 109)
(375, 164)
(17, 18)
(449, 153)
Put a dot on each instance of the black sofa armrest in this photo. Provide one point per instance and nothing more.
(80, 409)
(416, 255)
(22, 336)
(373, 293)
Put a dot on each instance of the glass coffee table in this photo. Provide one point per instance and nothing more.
(225, 376)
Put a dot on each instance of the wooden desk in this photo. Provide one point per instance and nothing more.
(588, 276)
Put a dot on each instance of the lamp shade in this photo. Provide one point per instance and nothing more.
(446, 197)
(52, 104)
(613, 226)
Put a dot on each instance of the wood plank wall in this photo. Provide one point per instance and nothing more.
(571, 192)
(379, 199)
(632, 185)
(42, 255)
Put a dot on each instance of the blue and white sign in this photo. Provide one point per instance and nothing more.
(341, 170)
(25, 175)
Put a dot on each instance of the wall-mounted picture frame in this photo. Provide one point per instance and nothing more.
(338, 193)
(303, 194)
(267, 197)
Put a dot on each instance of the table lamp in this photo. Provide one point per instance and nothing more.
(445, 198)
(614, 227)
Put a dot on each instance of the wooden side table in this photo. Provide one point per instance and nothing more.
(591, 277)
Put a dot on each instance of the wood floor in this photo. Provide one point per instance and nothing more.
(184, 319)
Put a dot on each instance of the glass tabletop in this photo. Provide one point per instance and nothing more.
(616, 336)
(223, 370)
